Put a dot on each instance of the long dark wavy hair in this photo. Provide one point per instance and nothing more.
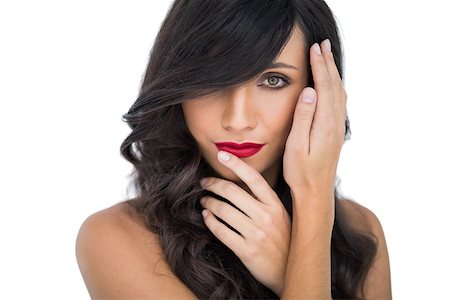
(206, 46)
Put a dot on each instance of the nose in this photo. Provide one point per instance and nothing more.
(239, 114)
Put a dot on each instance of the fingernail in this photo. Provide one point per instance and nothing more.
(316, 49)
(202, 201)
(327, 44)
(204, 213)
(308, 96)
(223, 156)
(203, 182)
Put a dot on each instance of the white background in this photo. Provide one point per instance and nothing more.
(69, 70)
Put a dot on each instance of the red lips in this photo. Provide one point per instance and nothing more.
(240, 150)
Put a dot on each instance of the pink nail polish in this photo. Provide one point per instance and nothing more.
(223, 156)
(327, 44)
(316, 49)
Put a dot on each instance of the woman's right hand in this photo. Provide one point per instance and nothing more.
(264, 244)
(261, 219)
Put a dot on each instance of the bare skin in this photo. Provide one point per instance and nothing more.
(254, 112)
(120, 259)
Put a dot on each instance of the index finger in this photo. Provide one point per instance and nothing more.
(252, 178)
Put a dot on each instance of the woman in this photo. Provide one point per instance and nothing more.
(248, 95)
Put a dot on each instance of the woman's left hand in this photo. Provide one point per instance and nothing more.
(262, 221)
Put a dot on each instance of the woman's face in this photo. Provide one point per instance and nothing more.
(260, 111)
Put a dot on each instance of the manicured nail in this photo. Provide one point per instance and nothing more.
(203, 182)
(308, 96)
(327, 44)
(202, 201)
(316, 48)
(223, 156)
(204, 213)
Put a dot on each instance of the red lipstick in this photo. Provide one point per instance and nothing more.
(240, 150)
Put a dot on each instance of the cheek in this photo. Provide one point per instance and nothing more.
(279, 116)
(198, 117)
(192, 114)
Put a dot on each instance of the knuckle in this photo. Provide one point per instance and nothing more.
(209, 222)
(306, 113)
(228, 188)
(296, 148)
(344, 94)
(337, 84)
(274, 195)
(254, 179)
(221, 209)
(325, 82)
(211, 180)
(278, 210)
(220, 184)
(260, 236)
(268, 219)
(220, 232)
(205, 202)
(214, 226)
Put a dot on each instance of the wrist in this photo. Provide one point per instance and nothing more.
(314, 209)
(319, 200)
(310, 193)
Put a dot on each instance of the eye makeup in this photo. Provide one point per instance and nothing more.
(265, 81)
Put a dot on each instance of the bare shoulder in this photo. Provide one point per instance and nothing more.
(378, 282)
(119, 258)
(359, 216)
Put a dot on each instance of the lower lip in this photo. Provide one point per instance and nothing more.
(246, 152)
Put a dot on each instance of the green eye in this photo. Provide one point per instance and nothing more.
(274, 81)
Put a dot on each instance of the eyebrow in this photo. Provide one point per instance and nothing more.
(281, 65)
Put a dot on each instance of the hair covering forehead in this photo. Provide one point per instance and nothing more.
(238, 37)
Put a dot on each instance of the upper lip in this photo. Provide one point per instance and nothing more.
(238, 146)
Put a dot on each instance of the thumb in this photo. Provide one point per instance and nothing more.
(302, 121)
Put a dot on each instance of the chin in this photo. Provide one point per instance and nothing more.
(226, 173)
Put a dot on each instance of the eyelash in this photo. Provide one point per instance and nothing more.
(271, 75)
